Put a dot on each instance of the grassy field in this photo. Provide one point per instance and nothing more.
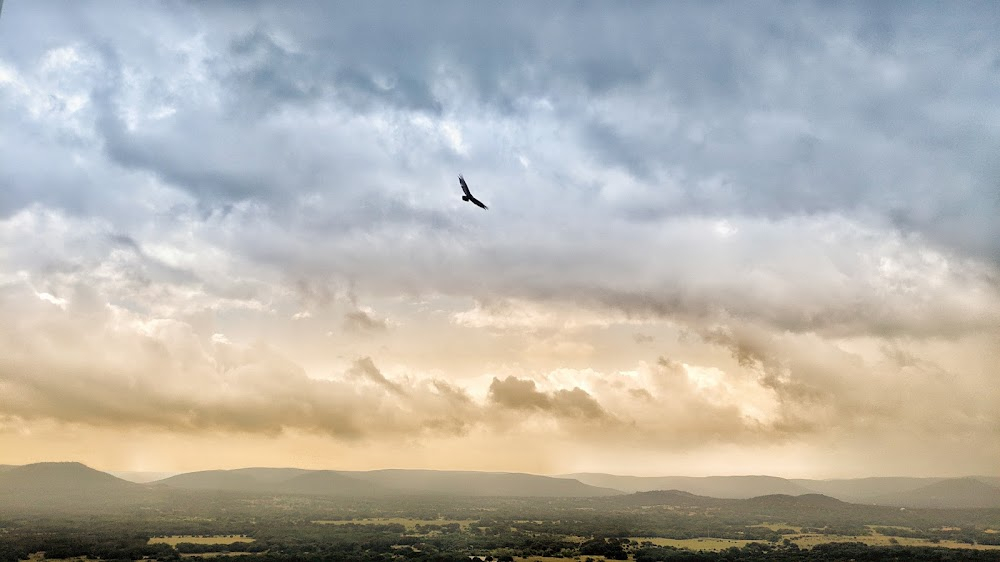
(882, 529)
(410, 524)
(173, 540)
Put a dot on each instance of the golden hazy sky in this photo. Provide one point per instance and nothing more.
(721, 239)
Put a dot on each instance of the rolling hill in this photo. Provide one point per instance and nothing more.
(673, 498)
(62, 478)
(864, 490)
(268, 480)
(732, 487)
(74, 484)
(383, 482)
(951, 493)
(894, 491)
(991, 480)
(330, 483)
(804, 501)
(68, 485)
(464, 483)
(250, 480)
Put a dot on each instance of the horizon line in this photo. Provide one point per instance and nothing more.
(565, 475)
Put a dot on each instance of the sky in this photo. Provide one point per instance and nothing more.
(722, 237)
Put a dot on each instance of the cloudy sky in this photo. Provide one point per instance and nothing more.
(723, 238)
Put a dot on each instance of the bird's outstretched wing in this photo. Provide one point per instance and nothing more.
(465, 186)
(478, 202)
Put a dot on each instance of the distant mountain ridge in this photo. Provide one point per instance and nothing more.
(677, 498)
(977, 491)
(862, 490)
(68, 485)
(729, 487)
(384, 482)
(273, 481)
(951, 493)
(481, 483)
(74, 482)
(60, 477)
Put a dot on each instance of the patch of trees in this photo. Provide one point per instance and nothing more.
(199, 548)
(610, 548)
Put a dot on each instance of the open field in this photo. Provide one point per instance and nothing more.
(174, 540)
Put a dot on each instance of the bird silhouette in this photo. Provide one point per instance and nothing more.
(468, 195)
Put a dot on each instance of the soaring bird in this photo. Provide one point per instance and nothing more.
(468, 196)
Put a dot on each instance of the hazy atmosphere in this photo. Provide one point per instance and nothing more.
(722, 238)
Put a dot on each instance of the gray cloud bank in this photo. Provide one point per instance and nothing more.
(797, 166)
(766, 111)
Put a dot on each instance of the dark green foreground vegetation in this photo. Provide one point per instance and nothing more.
(435, 528)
